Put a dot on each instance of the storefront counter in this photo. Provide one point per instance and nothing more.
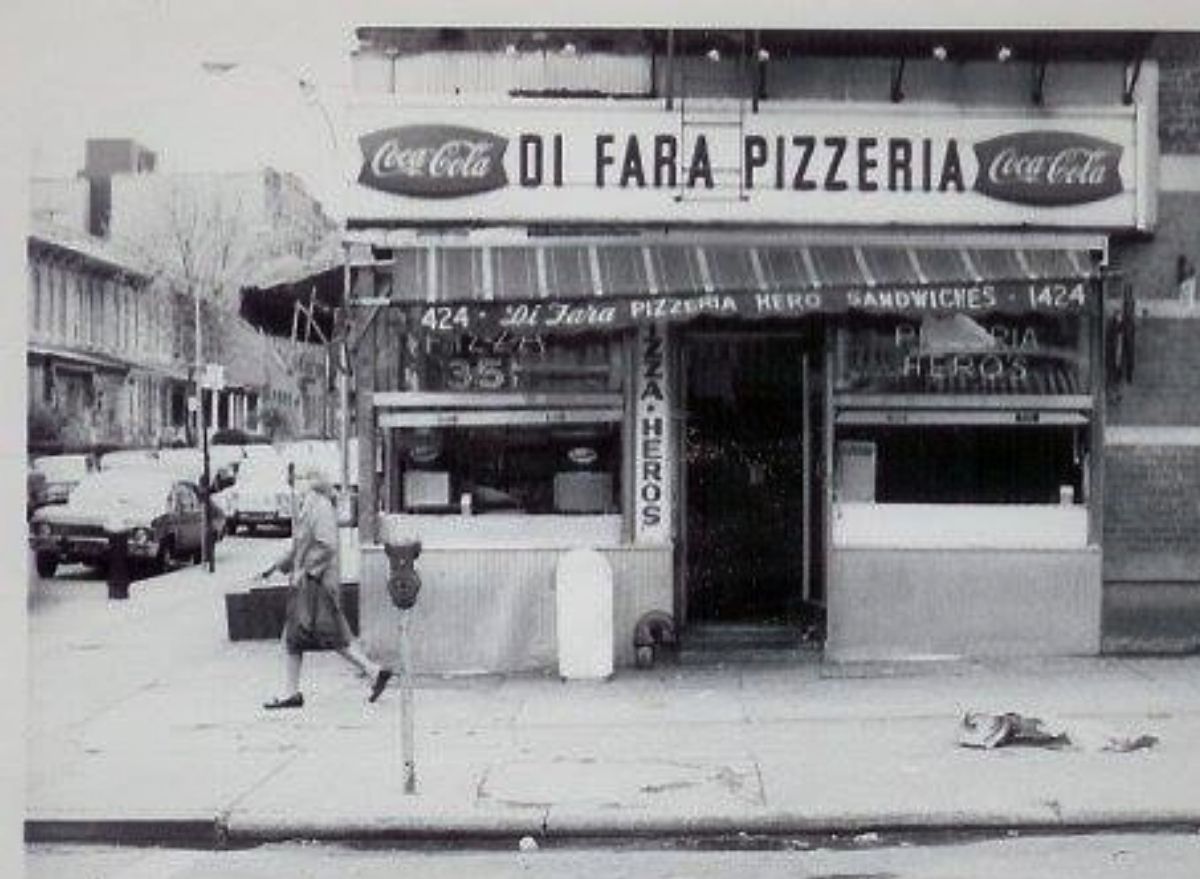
(916, 580)
(487, 604)
(503, 530)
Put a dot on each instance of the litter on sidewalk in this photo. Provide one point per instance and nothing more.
(985, 730)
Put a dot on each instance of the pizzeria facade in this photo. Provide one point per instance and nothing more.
(823, 367)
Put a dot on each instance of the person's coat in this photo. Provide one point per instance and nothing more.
(315, 545)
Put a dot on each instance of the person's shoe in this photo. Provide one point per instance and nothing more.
(380, 682)
(294, 701)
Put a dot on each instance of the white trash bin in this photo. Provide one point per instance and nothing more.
(583, 582)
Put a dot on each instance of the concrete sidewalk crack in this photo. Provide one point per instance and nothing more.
(762, 787)
(223, 814)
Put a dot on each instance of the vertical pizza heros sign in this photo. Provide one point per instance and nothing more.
(652, 439)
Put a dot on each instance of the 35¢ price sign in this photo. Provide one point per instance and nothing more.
(489, 363)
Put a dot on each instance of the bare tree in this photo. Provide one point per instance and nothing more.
(197, 233)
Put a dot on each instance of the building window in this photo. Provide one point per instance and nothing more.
(96, 330)
(62, 305)
(963, 410)
(48, 297)
(516, 468)
(35, 298)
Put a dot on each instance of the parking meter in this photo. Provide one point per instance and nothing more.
(404, 583)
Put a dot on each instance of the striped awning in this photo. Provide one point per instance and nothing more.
(576, 286)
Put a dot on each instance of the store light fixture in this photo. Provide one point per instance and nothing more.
(940, 52)
(713, 54)
(1004, 53)
(764, 55)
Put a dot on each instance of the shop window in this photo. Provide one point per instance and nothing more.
(961, 409)
(961, 464)
(964, 354)
(536, 469)
(506, 362)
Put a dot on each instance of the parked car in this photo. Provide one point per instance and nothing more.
(260, 497)
(35, 491)
(63, 473)
(120, 459)
(186, 463)
(160, 513)
(223, 464)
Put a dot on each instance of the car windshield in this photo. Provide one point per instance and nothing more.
(62, 467)
(107, 489)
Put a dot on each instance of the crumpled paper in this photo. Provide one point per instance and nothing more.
(984, 730)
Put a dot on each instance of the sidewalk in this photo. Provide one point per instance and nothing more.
(149, 728)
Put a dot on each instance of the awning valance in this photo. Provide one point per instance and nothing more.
(570, 286)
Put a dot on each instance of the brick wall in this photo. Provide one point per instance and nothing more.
(1178, 57)
(1166, 380)
(1150, 265)
(1152, 512)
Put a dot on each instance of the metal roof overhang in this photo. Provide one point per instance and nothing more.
(603, 283)
(79, 358)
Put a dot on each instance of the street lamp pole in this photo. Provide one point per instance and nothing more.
(308, 88)
(206, 542)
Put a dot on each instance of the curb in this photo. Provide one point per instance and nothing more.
(460, 831)
(196, 833)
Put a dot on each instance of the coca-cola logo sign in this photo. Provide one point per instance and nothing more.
(1048, 168)
(433, 161)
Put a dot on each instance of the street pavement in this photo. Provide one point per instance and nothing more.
(144, 723)
(1095, 856)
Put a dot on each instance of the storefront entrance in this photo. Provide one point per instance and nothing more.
(747, 462)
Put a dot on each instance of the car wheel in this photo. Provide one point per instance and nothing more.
(251, 530)
(46, 563)
(165, 560)
(231, 527)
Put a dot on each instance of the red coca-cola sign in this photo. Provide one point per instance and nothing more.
(1048, 168)
(433, 161)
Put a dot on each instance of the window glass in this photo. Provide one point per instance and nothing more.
(965, 354)
(561, 469)
(509, 362)
(955, 464)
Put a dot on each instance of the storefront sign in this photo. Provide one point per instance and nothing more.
(652, 438)
(799, 163)
(432, 161)
(1048, 168)
(619, 313)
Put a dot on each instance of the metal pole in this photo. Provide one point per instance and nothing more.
(406, 709)
(341, 364)
(205, 539)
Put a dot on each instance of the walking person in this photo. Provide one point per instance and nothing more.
(314, 618)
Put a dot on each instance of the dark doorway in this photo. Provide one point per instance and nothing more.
(746, 542)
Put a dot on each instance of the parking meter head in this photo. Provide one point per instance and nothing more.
(404, 583)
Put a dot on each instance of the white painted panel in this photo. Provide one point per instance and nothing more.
(975, 526)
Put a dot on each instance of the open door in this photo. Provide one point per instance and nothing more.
(748, 461)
